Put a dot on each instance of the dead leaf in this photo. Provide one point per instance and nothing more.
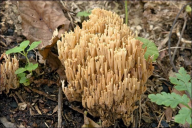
(40, 19)
(53, 61)
(45, 51)
(61, 73)
(162, 54)
(44, 81)
(6, 123)
(163, 42)
(55, 109)
(45, 110)
(21, 126)
(37, 109)
(32, 113)
(146, 118)
(168, 114)
(22, 106)
(76, 109)
(89, 123)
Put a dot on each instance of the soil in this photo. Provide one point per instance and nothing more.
(41, 97)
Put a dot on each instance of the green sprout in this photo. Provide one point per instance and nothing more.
(84, 13)
(21, 72)
(183, 83)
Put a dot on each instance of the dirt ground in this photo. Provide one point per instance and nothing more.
(37, 105)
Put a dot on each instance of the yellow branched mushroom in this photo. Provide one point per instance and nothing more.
(105, 67)
(8, 78)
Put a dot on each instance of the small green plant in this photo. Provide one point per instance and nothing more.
(151, 48)
(188, 9)
(84, 13)
(182, 82)
(29, 66)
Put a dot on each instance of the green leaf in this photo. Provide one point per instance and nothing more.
(14, 50)
(20, 70)
(188, 9)
(83, 13)
(183, 116)
(21, 75)
(24, 44)
(31, 67)
(151, 48)
(34, 45)
(27, 83)
(23, 80)
(168, 99)
(182, 81)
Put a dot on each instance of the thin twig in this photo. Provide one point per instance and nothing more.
(169, 42)
(43, 93)
(21, 99)
(185, 22)
(139, 113)
(60, 105)
(15, 98)
(126, 12)
(172, 48)
(160, 120)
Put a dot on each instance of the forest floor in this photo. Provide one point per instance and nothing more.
(37, 105)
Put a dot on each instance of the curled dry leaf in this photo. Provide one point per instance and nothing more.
(22, 106)
(40, 19)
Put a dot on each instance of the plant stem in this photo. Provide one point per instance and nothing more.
(25, 54)
(126, 13)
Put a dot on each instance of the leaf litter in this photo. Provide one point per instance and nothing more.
(151, 20)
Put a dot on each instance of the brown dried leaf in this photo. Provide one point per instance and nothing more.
(53, 61)
(89, 123)
(40, 19)
(6, 123)
(55, 109)
(168, 114)
(22, 106)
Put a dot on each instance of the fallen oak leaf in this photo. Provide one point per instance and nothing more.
(45, 51)
(40, 19)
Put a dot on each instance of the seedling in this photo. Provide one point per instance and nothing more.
(84, 13)
(21, 72)
(182, 82)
